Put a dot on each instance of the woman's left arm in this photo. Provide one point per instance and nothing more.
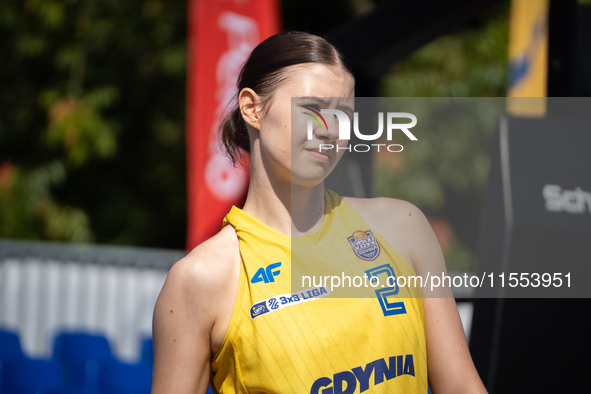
(451, 369)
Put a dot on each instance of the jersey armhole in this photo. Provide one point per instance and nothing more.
(235, 313)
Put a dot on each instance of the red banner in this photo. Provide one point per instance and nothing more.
(222, 33)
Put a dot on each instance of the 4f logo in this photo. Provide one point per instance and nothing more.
(266, 274)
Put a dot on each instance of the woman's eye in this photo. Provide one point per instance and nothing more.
(312, 106)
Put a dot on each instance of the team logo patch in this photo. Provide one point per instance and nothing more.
(365, 245)
(258, 309)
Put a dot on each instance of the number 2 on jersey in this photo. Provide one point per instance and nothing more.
(389, 308)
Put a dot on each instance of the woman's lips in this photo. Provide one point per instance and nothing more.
(322, 156)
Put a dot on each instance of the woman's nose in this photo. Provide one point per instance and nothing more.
(335, 121)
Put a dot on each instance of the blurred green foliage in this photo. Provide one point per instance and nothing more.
(470, 63)
(91, 121)
(445, 175)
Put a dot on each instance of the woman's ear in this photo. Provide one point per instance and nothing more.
(248, 102)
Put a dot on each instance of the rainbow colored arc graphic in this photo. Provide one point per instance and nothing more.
(315, 118)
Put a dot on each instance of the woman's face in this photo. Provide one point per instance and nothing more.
(287, 147)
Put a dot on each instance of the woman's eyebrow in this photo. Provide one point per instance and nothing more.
(326, 102)
(345, 108)
(318, 99)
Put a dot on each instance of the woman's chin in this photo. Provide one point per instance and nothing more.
(308, 179)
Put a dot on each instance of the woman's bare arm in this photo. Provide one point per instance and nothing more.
(192, 314)
(451, 369)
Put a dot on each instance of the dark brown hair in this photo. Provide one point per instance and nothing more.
(264, 71)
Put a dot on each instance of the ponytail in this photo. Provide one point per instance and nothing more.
(235, 135)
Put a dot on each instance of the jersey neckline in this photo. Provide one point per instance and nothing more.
(246, 220)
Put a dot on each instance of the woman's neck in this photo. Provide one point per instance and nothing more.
(290, 209)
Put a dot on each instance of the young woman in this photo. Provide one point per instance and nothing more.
(226, 314)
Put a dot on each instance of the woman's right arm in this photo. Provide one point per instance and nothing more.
(195, 300)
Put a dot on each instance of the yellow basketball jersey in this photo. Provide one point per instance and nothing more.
(307, 341)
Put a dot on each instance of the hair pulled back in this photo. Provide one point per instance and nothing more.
(264, 71)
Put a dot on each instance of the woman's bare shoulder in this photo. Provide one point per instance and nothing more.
(389, 213)
(375, 207)
(201, 280)
(207, 264)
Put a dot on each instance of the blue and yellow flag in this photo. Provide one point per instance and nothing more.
(528, 57)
